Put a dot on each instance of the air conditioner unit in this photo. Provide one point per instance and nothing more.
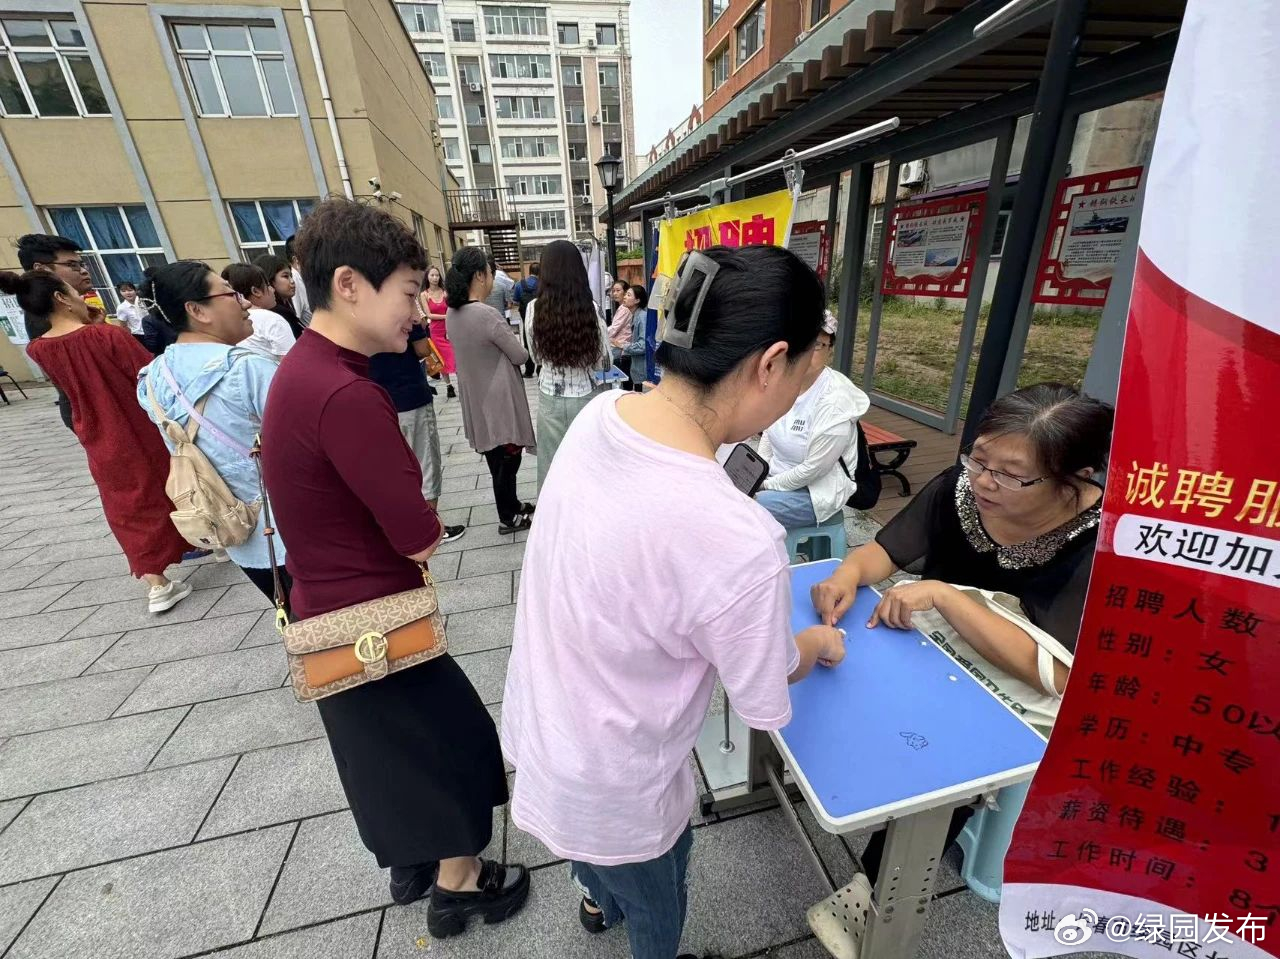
(595, 119)
(591, 42)
(474, 87)
(911, 173)
(587, 200)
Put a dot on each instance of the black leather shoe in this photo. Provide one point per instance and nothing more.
(502, 893)
(593, 922)
(408, 885)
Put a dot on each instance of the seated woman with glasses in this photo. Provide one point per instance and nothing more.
(1003, 544)
(812, 451)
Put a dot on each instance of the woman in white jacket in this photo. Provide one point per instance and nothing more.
(807, 484)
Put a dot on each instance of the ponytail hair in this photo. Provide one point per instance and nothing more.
(35, 291)
(467, 262)
(168, 289)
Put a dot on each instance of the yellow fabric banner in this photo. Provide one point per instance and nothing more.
(759, 221)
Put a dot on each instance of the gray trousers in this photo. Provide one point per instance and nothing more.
(418, 427)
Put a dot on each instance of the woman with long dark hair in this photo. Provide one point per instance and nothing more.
(632, 356)
(96, 365)
(570, 341)
(495, 411)
(432, 303)
(280, 275)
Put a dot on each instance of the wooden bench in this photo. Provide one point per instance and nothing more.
(881, 441)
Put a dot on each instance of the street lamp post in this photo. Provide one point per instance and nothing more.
(610, 169)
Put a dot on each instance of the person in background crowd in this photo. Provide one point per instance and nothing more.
(431, 302)
(503, 286)
(570, 343)
(301, 306)
(1003, 542)
(279, 275)
(416, 751)
(404, 379)
(633, 356)
(608, 685)
(96, 365)
(130, 312)
(495, 410)
(523, 294)
(271, 336)
(209, 362)
(50, 253)
(813, 450)
(617, 290)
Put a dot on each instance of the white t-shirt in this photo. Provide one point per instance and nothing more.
(271, 337)
(789, 436)
(131, 315)
(611, 675)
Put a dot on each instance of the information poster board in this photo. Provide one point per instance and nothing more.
(13, 323)
(810, 242)
(932, 247)
(1087, 228)
(1152, 827)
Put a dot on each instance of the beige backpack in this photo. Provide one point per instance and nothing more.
(207, 514)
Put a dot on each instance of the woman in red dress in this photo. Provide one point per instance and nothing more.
(96, 366)
(431, 299)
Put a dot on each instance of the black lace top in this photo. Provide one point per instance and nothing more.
(940, 536)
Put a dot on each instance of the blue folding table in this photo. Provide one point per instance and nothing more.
(898, 735)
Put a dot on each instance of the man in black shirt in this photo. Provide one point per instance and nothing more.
(402, 376)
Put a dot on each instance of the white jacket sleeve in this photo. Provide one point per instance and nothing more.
(277, 334)
(823, 455)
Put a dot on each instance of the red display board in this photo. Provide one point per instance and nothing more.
(810, 242)
(931, 247)
(1091, 217)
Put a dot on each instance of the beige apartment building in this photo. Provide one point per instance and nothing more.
(157, 131)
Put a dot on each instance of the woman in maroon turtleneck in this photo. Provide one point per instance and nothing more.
(417, 752)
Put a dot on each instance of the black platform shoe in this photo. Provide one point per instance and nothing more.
(503, 891)
(593, 922)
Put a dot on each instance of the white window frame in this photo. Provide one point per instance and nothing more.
(529, 147)
(94, 253)
(576, 71)
(465, 75)
(210, 53)
(508, 66)
(536, 103)
(739, 35)
(577, 34)
(253, 249)
(506, 20)
(446, 98)
(62, 53)
(816, 16)
(720, 67)
(437, 69)
(421, 13)
(600, 40)
(528, 218)
(453, 30)
(475, 149)
(610, 107)
(537, 184)
(457, 146)
(482, 116)
(617, 70)
(569, 119)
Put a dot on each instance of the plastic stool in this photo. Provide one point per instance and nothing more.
(826, 540)
(985, 841)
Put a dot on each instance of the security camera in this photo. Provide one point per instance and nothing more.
(378, 194)
(397, 195)
(375, 183)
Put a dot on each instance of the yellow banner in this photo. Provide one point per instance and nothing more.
(759, 221)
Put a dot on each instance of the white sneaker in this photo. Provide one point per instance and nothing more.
(161, 598)
(220, 556)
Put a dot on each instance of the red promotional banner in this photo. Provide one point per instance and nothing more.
(1153, 824)
(931, 247)
(810, 242)
(1087, 228)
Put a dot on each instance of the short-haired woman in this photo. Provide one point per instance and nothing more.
(569, 341)
(610, 677)
(206, 364)
(1003, 542)
(96, 365)
(130, 312)
(495, 410)
(271, 336)
(417, 752)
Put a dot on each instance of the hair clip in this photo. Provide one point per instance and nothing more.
(680, 332)
(153, 305)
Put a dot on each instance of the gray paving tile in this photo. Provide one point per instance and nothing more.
(228, 726)
(127, 910)
(8, 810)
(524, 848)
(478, 592)
(241, 598)
(123, 817)
(8, 539)
(476, 497)
(25, 631)
(277, 785)
(65, 702)
(495, 559)
(161, 644)
(110, 589)
(217, 574)
(208, 677)
(36, 493)
(13, 557)
(344, 939)
(264, 632)
(329, 873)
(39, 762)
(98, 567)
(806, 949)
(49, 661)
(133, 614)
(63, 552)
(27, 602)
(20, 577)
(454, 517)
(17, 904)
(37, 507)
(481, 629)
(80, 533)
(487, 672)
(482, 535)
(444, 566)
(457, 484)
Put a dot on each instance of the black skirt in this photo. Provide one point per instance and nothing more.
(420, 763)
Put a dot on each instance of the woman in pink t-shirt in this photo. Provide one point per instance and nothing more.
(609, 680)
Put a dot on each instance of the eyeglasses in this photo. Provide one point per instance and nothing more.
(1003, 480)
(77, 265)
(213, 296)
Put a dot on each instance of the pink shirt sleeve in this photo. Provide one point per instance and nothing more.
(751, 646)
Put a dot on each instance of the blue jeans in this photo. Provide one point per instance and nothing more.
(651, 896)
(793, 508)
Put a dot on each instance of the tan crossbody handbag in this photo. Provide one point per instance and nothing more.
(348, 647)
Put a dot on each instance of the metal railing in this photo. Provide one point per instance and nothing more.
(490, 204)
